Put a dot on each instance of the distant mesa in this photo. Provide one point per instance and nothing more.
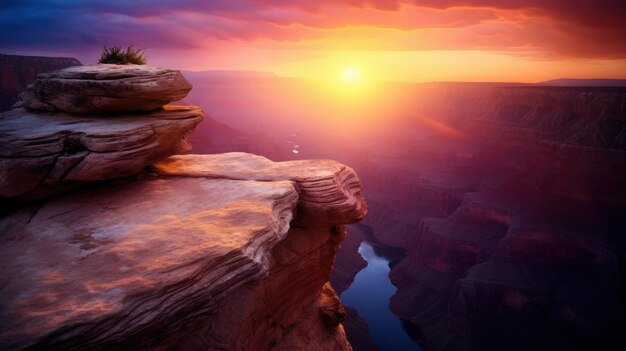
(105, 88)
(577, 82)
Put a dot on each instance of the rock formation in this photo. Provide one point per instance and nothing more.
(105, 88)
(313, 179)
(46, 152)
(220, 252)
(17, 72)
(185, 257)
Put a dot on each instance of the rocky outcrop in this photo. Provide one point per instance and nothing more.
(219, 252)
(336, 183)
(44, 153)
(17, 72)
(222, 251)
(105, 88)
(51, 151)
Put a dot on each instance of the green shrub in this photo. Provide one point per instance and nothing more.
(119, 56)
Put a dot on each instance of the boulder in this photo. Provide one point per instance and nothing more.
(43, 152)
(105, 88)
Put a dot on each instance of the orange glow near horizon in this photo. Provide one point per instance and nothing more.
(431, 66)
(388, 40)
(420, 44)
(406, 66)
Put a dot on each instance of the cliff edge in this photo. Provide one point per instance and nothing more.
(221, 252)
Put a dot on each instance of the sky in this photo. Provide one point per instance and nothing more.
(427, 40)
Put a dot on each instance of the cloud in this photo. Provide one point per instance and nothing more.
(543, 28)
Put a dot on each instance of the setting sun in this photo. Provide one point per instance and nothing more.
(351, 75)
(348, 81)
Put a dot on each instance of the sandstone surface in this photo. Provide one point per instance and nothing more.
(205, 254)
(44, 152)
(328, 190)
(105, 88)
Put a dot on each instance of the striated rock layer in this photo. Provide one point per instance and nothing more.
(316, 180)
(218, 252)
(44, 153)
(105, 88)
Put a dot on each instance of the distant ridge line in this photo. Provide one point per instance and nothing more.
(580, 82)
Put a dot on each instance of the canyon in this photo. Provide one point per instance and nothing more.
(508, 200)
(500, 208)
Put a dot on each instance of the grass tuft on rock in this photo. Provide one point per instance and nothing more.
(117, 55)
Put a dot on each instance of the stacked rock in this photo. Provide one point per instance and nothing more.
(91, 123)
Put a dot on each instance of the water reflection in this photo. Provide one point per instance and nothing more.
(369, 294)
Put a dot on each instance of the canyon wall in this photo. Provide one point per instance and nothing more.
(532, 255)
(16, 72)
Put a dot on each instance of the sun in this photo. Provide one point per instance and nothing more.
(351, 75)
(348, 82)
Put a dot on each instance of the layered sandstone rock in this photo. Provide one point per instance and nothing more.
(313, 179)
(105, 88)
(220, 252)
(44, 153)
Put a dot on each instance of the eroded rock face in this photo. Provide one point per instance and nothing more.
(43, 153)
(105, 88)
(182, 259)
(349, 261)
(336, 183)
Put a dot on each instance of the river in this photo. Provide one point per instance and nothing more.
(369, 294)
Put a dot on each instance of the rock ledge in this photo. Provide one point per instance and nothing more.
(105, 88)
(204, 254)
